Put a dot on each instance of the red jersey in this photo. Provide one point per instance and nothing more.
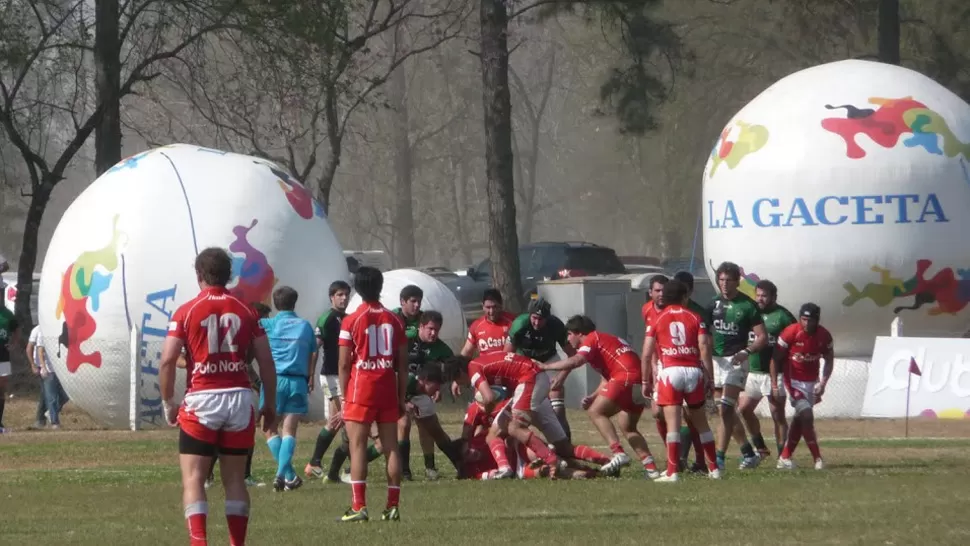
(676, 331)
(649, 312)
(476, 416)
(804, 351)
(611, 356)
(217, 330)
(491, 337)
(375, 335)
(504, 369)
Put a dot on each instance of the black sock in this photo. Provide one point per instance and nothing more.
(759, 442)
(565, 425)
(685, 443)
(3, 402)
(340, 456)
(452, 450)
(249, 463)
(405, 448)
(429, 461)
(747, 450)
(323, 443)
(212, 468)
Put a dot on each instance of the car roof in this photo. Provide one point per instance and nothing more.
(572, 244)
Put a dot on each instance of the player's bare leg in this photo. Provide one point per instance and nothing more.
(388, 433)
(404, 444)
(698, 417)
(599, 413)
(233, 471)
(728, 411)
(803, 425)
(327, 435)
(628, 425)
(519, 428)
(746, 407)
(777, 407)
(495, 440)
(696, 443)
(195, 469)
(430, 434)
(672, 414)
(750, 458)
(658, 415)
(357, 435)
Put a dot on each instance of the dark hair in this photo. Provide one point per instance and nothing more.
(492, 294)
(731, 269)
(453, 366)
(337, 286)
(411, 291)
(685, 277)
(213, 266)
(674, 293)
(262, 309)
(658, 279)
(431, 316)
(767, 286)
(368, 282)
(432, 371)
(580, 324)
(284, 298)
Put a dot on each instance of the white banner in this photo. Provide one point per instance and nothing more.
(942, 391)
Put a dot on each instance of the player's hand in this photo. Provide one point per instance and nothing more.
(36, 371)
(268, 414)
(455, 389)
(587, 401)
(437, 396)
(171, 413)
(819, 390)
(774, 391)
(336, 421)
(411, 409)
(646, 390)
(310, 385)
(557, 382)
(739, 358)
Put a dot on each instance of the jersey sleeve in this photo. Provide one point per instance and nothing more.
(476, 375)
(754, 315)
(346, 338)
(320, 328)
(787, 336)
(828, 343)
(702, 327)
(471, 333)
(518, 327)
(652, 329)
(473, 415)
(589, 351)
(176, 327)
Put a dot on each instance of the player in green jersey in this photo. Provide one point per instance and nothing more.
(9, 337)
(734, 318)
(536, 334)
(776, 318)
(410, 310)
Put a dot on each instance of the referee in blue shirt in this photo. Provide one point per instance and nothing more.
(293, 344)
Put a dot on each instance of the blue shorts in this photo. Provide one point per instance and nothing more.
(292, 395)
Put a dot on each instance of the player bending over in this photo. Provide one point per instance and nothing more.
(797, 354)
(216, 417)
(373, 378)
(424, 386)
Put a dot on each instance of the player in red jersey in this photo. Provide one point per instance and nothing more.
(680, 338)
(618, 393)
(373, 373)
(217, 332)
(797, 353)
(490, 333)
(649, 311)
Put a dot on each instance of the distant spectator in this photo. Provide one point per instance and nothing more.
(4, 266)
(9, 337)
(52, 397)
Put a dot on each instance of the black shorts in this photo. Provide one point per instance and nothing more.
(189, 445)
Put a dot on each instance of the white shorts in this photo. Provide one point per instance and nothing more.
(802, 395)
(758, 386)
(727, 374)
(5, 369)
(425, 406)
(229, 411)
(544, 419)
(330, 386)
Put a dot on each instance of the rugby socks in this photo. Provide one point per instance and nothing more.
(812, 442)
(662, 429)
(274, 443)
(285, 463)
(195, 516)
(249, 463)
(685, 444)
(747, 450)
(324, 439)
(616, 448)
(707, 447)
(565, 424)
(339, 458)
(237, 518)
(719, 458)
(212, 468)
(759, 442)
(429, 461)
(405, 447)
(586, 453)
(372, 453)
(393, 496)
(649, 463)
(794, 435)
(673, 452)
(540, 449)
(497, 447)
(695, 439)
(358, 492)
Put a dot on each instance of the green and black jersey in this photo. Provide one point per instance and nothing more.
(775, 319)
(410, 324)
(8, 325)
(731, 322)
(412, 389)
(328, 333)
(420, 353)
(537, 344)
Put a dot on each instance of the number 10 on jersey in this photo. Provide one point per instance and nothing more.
(380, 340)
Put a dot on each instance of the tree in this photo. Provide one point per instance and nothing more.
(889, 31)
(107, 63)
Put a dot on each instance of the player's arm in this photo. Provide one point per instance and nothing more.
(760, 334)
(779, 358)
(402, 369)
(646, 362)
(42, 359)
(706, 346)
(829, 356)
(31, 344)
(267, 370)
(468, 350)
(166, 369)
(571, 363)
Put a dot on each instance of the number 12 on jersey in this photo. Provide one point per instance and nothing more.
(213, 324)
(380, 340)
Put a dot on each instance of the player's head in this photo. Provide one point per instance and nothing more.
(656, 285)
(809, 316)
(411, 297)
(213, 267)
(577, 328)
(492, 303)
(539, 312)
(339, 295)
(430, 378)
(429, 325)
(728, 278)
(368, 282)
(687, 278)
(262, 309)
(765, 294)
(675, 293)
(454, 368)
(284, 298)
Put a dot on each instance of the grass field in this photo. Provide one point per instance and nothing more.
(113, 488)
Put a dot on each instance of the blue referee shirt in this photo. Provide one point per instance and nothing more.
(292, 342)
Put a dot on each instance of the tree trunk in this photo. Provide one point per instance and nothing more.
(500, 184)
(107, 61)
(28, 255)
(889, 31)
(404, 252)
(335, 140)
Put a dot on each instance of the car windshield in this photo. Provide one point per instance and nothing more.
(594, 260)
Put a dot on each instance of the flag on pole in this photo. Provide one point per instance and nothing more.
(913, 368)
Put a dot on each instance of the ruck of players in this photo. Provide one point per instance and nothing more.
(702, 371)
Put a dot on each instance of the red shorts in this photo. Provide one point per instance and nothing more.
(627, 395)
(678, 385)
(224, 419)
(359, 413)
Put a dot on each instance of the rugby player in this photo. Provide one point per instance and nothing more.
(536, 334)
(692, 435)
(680, 337)
(796, 356)
(410, 310)
(373, 378)
(618, 394)
(776, 318)
(293, 346)
(216, 417)
(649, 311)
(738, 331)
(489, 334)
(9, 338)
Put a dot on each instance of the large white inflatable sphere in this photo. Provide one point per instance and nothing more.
(437, 297)
(847, 184)
(122, 256)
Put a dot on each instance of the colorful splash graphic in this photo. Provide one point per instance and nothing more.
(299, 197)
(253, 278)
(84, 282)
(130, 162)
(735, 145)
(949, 289)
(892, 119)
(952, 413)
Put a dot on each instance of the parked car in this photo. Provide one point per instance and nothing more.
(538, 261)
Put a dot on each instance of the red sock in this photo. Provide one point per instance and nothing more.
(673, 452)
(586, 453)
(529, 473)
(195, 516)
(794, 435)
(616, 448)
(662, 429)
(358, 491)
(695, 439)
(540, 449)
(237, 518)
(393, 496)
(812, 442)
(649, 463)
(497, 447)
(707, 447)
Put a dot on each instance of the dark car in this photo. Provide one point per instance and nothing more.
(537, 261)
